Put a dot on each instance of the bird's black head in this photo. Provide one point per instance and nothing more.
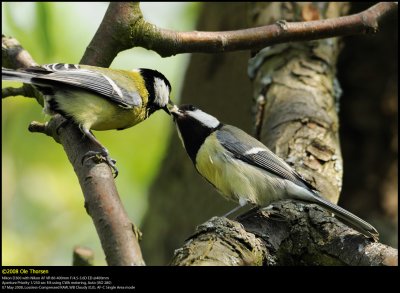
(194, 126)
(159, 90)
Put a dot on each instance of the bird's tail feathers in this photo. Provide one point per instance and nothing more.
(10, 74)
(349, 218)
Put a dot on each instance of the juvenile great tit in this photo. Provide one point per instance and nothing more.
(97, 98)
(243, 169)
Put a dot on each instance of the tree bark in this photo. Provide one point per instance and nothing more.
(301, 122)
(285, 234)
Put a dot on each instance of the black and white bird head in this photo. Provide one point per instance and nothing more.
(194, 126)
(159, 89)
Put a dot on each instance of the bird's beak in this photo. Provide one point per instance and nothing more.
(174, 110)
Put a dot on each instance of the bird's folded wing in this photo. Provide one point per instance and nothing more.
(98, 82)
(248, 149)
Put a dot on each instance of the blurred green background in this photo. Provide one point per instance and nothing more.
(43, 215)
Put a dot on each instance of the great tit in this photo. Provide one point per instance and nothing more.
(97, 98)
(243, 169)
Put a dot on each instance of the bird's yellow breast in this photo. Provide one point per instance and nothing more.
(234, 178)
(97, 113)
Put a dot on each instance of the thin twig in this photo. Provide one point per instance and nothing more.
(12, 91)
(38, 127)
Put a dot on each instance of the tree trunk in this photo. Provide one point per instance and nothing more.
(299, 83)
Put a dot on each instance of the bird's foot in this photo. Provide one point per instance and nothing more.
(231, 212)
(100, 157)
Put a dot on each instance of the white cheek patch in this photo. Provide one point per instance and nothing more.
(254, 151)
(204, 118)
(161, 91)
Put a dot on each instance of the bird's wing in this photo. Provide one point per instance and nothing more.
(85, 78)
(248, 149)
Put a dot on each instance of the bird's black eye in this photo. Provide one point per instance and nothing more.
(192, 108)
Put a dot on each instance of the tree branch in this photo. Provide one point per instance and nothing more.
(123, 27)
(172, 43)
(286, 233)
(13, 55)
(26, 90)
(102, 202)
(114, 33)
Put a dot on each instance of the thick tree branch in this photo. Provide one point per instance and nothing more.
(114, 33)
(123, 27)
(172, 43)
(286, 233)
(102, 202)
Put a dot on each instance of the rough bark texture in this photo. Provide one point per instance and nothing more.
(285, 234)
(301, 122)
(180, 198)
(220, 242)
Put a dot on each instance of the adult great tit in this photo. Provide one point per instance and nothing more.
(97, 98)
(243, 169)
